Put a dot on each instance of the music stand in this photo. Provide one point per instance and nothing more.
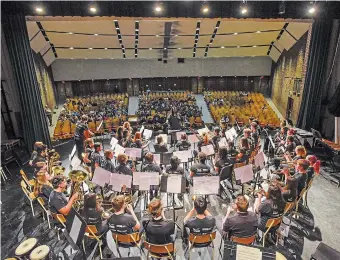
(201, 188)
(165, 158)
(143, 180)
(72, 153)
(244, 174)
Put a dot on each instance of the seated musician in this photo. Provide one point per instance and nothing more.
(92, 213)
(137, 140)
(242, 156)
(123, 168)
(271, 207)
(314, 167)
(281, 135)
(89, 149)
(205, 141)
(240, 222)
(247, 134)
(43, 187)
(244, 144)
(183, 144)
(127, 140)
(34, 153)
(109, 166)
(216, 138)
(254, 132)
(300, 153)
(160, 146)
(200, 168)
(119, 134)
(174, 167)
(290, 145)
(202, 223)
(57, 201)
(222, 159)
(289, 192)
(126, 126)
(301, 174)
(40, 157)
(97, 160)
(231, 149)
(151, 166)
(158, 229)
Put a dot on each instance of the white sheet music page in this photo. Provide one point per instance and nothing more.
(118, 149)
(165, 138)
(147, 134)
(113, 142)
(229, 135)
(141, 178)
(247, 253)
(233, 131)
(223, 142)
(133, 152)
(206, 185)
(174, 183)
(259, 160)
(75, 228)
(101, 176)
(202, 131)
(244, 173)
(193, 139)
(178, 135)
(157, 158)
(208, 149)
(118, 180)
(183, 155)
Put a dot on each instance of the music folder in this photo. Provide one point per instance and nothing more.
(172, 183)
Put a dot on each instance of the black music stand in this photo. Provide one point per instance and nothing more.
(165, 158)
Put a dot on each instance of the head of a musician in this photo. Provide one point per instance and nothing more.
(118, 203)
(246, 132)
(200, 205)
(244, 143)
(205, 138)
(314, 163)
(97, 147)
(120, 131)
(300, 151)
(138, 136)
(223, 153)
(217, 131)
(302, 165)
(126, 133)
(174, 162)
(202, 157)
(36, 145)
(155, 208)
(122, 158)
(41, 177)
(289, 140)
(253, 127)
(84, 119)
(149, 158)
(242, 203)
(284, 130)
(159, 140)
(89, 143)
(126, 125)
(108, 153)
(274, 194)
(291, 132)
(42, 150)
(59, 183)
(283, 124)
(184, 137)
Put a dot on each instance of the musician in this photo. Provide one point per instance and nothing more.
(231, 149)
(79, 135)
(242, 156)
(216, 138)
(272, 207)
(92, 213)
(126, 126)
(160, 146)
(289, 192)
(314, 167)
(43, 187)
(200, 168)
(119, 134)
(222, 159)
(174, 167)
(254, 132)
(34, 152)
(247, 134)
(40, 157)
(150, 166)
(127, 140)
(122, 168)
(301, 174)
(97, 160)
(300, 152)
(240, 222)
(109, 166)
(138, 141)
(57, 201)
(281, 135)
(183, 144)
(158, 229)
(89, 149)
(205, 141)
(202, 223)
(290, 145)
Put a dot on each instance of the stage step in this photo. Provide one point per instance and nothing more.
(133, 105)
(207, 118)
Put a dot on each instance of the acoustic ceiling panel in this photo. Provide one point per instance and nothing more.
(87, 26)
(150, 54)
(208, 26)
(182, 41)
(151, 27)
(180, 53)
(32, 29)
(286, 40)
(237, 52)
(127, 26)
(274, 54)
(297, 29)
(248, 26)
(49, 57)
(264, 38)
(93, 54)
(129, 41)
(183, 27)
(203, 41)
(150, 42)
(38, 42)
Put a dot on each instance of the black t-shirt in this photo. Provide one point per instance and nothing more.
(160, 148)
(152, 167)
(221, 163)
(45, 193)
(310, 174)
(138, 143)
(170, 170)
(241, 224)
(290, 148)
(183, 145)
(96, 157)
(201, 226)
(302, 179)
(174, 123)
(215, 140)
(93, 217)
(159, 231)
(79, 131)
(57, 201)
(122, 223)
(200, 169)
(268, 209)
(38, 159)
(123, 169)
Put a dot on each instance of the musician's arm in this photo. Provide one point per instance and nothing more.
(130, 209)
(65, 210)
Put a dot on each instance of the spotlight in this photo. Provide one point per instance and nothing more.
(179, 48)
(158, 9)
(93, 9)
(312, 9)
(244, 10)
(70, 33)
(39, 9)
(150, 49)
(205, 10)
(105, 48)
(71, 48)
(235, 33)
(96, 34)
(258, 32)
(222, 47)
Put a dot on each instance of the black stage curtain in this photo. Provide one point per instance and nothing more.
(33, 115)
(310, 109)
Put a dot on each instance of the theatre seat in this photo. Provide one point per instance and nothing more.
(57, 129)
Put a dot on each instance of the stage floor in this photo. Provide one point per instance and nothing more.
(18, 223)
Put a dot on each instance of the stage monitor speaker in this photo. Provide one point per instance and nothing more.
(180, 60)
(334, 104)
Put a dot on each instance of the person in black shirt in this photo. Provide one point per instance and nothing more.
(150, 166)
(43, 187)
(108, 158)
(231, 149)
(92, 213)
(89, 149)
(289, 192)
(216, 138)
(160, 146)
(200, 169)
(254, 133)
(242, 223)
(127, 140)
(40, 157)
(97, 160)
(222, 159)
(301, 174)
(122, 168)
(79, 135)
(158, 229)
(119, 134)
(174, 167)
(243, 156)
(57, 201)
(202, 224)
(290, 145)
(183, 144)
(34, 153)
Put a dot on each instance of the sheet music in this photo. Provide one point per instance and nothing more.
(247, 252)
(165, 138)
(178, 135)
(203, 130)
(244, 173)
(118, 149)
(75, 163)
(193, 139)
(229, 135)
(157, 158)
(233, 131)
(208, 149)
(259, 160)
(174, 183)
(101, 176)
(223, 142)
(145, 179)
(201, 187)
(147, 134)
(133, 152)
(183, 155)
(118, 180)
(113, 142)
(75, 229)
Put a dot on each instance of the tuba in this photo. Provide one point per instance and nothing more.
(77, 177)
(58, 170)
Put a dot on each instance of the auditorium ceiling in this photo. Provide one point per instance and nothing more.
(160, 38)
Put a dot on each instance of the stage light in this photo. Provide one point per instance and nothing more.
(150, 49)
(244, 10)
(96, 34)
(71, 48)
(39, 9)
(93, 9)
(235, 33)
(164, 48)
(238, 46)
(70, 33)
(90, 48)
(158, 9)
(157, 35)
(258, 32)
(312, 9)
(222, 47)
(179, 48)
(254, 46)
(205, 10)
(105, 48)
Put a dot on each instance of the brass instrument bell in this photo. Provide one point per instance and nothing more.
(58, 170)
(77, 175)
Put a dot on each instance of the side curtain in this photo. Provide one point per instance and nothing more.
(310, 109)
(21, 56)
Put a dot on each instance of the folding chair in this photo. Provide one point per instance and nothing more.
(159, 251)
(61, 219)
(198, 240)
(30, 195)
(129, 240)
(90, 232)
(243, 240)
(29, 183)
(45, 211)
(3, 175)
(302, 193)
(309, 184)
(288, 208)
(272, 222)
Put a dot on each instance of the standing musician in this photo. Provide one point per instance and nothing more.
(122, 168)
(57, 201)
(80, 133)
(97, 160)
(89, 149)
(150, 166)
(43, 187)
(108, 158)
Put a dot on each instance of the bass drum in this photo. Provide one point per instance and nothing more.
(41, 253)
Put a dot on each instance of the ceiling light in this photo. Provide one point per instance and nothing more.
(78, 79)
(93, 9)
(282, 8)
(179, 48)
(254, 46)
(70, 33)
(137, 21)
(164, 48)
(159, 85)
(96, 34)
(235, 33)
(157, 35)
(235, 76)
(150, 49)
(238, 46)
(105, 48)
(136, 30)
(158, 9)
(176, 35)
(71, 58)
(210, 43)
(174, 84)
(85, 58)
(258, 32)
(90, 48)
(222, 47)
(244, 10)
(311, 9)
(71, 48)
(39, 9)
(111, 58)
(205, 10)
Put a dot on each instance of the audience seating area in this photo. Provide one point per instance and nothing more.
(111, 108)
(238, 105)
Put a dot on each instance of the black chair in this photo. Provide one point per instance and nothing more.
(7, 157)
(324, 252)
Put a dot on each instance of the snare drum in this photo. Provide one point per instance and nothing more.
(40, 253)
(24, 249)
